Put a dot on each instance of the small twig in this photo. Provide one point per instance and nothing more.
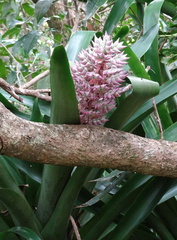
(35, 79)
(105, 8)
(158, 118)
(10, 89)
(13, 91)
(161, 46)
(78, 237)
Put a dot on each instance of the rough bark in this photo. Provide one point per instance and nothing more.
(78, 145)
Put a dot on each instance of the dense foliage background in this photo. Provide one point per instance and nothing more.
(54, 202)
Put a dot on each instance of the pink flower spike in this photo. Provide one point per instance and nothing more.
(98, 77)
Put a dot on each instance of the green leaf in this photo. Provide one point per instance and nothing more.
(107, 189)
(14, 200)
(30, 40)
(36, 115)
(123, 31)
(141, 46)
(3, 72)
(167, 90)
(27, 233)
(164, 115)
(12, 77)
(151, 17)
(119, 9)
(135, 64)
(13, 170)
(17, 206)
(168, 216)
(92, 6)
(169, 8)
(64, 110)
(7, 104)
(41, 8)
(11, 32)
(151, 14)
(143, 90)
(82, 38)
(51, 189)
(141, 208)
(111, 210)
(170, 134)
(150, 127)
(27, 42)
(5, 234)
(28, 8)
(33, 170)
(172, 191)
(56, 228)
(6, 177)
(158, 226)
(64, 103)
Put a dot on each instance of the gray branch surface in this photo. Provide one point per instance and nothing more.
(81, 145)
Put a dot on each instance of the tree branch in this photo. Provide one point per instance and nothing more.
(81, 145)
(35, 79)
(13, 91)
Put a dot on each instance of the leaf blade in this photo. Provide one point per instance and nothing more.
(119, 9)
(41, 8)
(83, 39)
(64, 103)
(143, 90)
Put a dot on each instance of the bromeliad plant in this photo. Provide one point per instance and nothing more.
(98, 203)
(98, 77)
